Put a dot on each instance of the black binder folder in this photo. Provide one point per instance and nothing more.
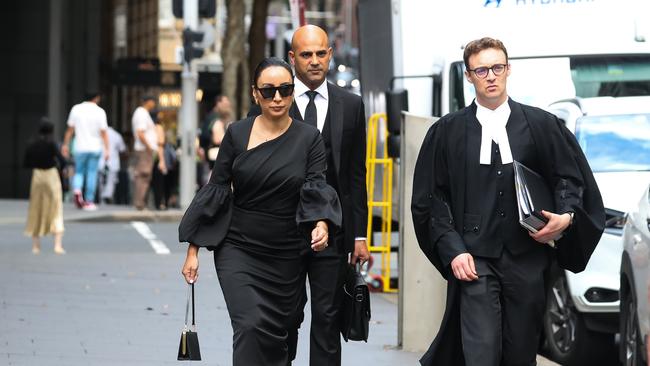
(533, 196)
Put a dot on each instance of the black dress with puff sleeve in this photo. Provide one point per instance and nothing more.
(256, 214)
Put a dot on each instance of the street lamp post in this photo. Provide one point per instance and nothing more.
(189, 114)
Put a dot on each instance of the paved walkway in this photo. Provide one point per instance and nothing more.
(121, 304)
(15, 212)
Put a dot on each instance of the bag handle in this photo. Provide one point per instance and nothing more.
(190, 293)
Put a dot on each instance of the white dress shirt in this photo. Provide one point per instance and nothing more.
(141, 121)
(115, 147)
(88, 120)
(493, 128)
(321, 100)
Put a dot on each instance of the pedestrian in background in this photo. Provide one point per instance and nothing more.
(123, 194)
(160, 171)
(466, 219)
(87, 123)
(214, 128)
(145, 146)
(111, 166)
(45, 195)
(267, 202)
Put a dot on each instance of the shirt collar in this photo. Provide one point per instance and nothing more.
(300, 88)
(499, 112)
(493, 128)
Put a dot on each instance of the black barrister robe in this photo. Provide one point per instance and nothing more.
(439, 199)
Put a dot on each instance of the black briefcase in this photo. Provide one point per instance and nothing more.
(188, 349)
(355, 317)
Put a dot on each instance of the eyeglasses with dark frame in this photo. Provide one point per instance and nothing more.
(482, 72)
(268, 92)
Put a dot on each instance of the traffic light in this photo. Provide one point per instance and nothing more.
(396, 102)
(207, 8)
(190, 49)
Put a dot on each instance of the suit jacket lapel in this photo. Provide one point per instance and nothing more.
(335, 114)
(294, 112)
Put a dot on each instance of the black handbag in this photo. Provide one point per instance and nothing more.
(188, 349)
(355, 316)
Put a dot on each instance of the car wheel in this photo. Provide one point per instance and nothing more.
(567, 339)
(630, 348)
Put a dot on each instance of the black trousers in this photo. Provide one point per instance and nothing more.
(161, 185)
(501, 312)
(325, 271)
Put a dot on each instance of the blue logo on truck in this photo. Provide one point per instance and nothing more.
(488, 2)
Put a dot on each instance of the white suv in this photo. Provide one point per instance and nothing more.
(635, 284)
(582, 310)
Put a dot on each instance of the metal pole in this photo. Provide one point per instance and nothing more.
(189, 114)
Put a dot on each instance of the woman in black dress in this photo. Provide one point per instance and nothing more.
(265, 204)
(45, 195)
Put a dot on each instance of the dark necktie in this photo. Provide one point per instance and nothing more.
(310, 111)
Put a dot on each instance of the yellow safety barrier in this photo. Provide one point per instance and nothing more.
(386, 202)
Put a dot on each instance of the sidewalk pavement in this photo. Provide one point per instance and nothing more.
(110, 308)
(15, 212)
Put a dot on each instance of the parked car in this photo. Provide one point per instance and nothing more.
(635, 285)
(582, 310)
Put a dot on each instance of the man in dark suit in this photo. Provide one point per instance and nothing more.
(466, 218)
(340, 116)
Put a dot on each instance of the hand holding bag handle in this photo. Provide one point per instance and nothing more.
(188, 349)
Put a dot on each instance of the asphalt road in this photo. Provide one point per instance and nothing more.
(117, 298)
(112, 300)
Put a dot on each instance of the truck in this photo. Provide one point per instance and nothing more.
(559, 51)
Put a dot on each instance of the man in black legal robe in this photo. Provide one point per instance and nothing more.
(466, 216)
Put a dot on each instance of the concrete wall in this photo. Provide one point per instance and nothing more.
(422, 289)
(50, 56)
(23, 96)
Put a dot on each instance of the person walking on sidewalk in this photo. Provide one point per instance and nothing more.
(214, 128)
(111, 166)
(145, 146)
(466, 220)
(159, 183)
(266, 204)
(87, 122)
(340, 117)
(45, 195)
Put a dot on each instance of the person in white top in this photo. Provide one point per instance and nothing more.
(87, 122)
(112, 165)
(145, 146)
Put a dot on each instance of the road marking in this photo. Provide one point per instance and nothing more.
(143, 229)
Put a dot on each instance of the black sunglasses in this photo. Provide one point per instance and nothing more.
(269, 91)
